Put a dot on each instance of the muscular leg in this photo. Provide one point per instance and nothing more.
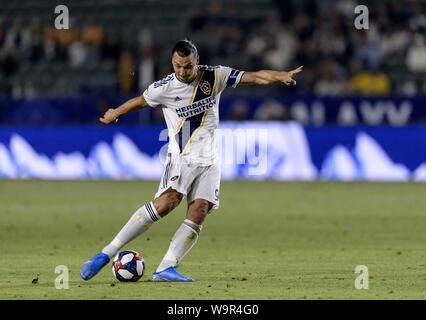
(187, 234)
(143, 218)
(167, 202)
(198, 210)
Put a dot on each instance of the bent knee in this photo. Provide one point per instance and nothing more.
(167, 202)
(200, 206)
(198, 210)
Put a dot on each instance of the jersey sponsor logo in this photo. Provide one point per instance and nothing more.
(205, 87)
(196, 107)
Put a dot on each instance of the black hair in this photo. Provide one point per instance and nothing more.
(184, 48)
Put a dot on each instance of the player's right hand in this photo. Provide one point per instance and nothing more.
(109, 117)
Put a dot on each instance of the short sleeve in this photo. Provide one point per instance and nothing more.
(229, 77)
(152, 95)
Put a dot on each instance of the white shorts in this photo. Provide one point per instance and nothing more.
(192, 180)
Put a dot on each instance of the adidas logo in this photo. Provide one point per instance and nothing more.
(177, 99)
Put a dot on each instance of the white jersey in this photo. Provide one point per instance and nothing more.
(191, 111)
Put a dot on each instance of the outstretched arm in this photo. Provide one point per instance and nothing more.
(270, 76)
(112, 115)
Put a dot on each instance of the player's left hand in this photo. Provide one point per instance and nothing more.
(287, 78)
(109, 117)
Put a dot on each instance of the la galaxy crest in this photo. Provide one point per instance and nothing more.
(205, 87)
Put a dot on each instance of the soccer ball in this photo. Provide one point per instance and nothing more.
(128, 266)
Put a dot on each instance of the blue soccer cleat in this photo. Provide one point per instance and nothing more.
(93, 266)
(170, 274)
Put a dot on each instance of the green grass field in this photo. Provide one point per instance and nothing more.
(269, 240)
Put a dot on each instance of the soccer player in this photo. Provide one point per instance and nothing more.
(189, 99)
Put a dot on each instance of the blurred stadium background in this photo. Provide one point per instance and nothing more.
(357, 113)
